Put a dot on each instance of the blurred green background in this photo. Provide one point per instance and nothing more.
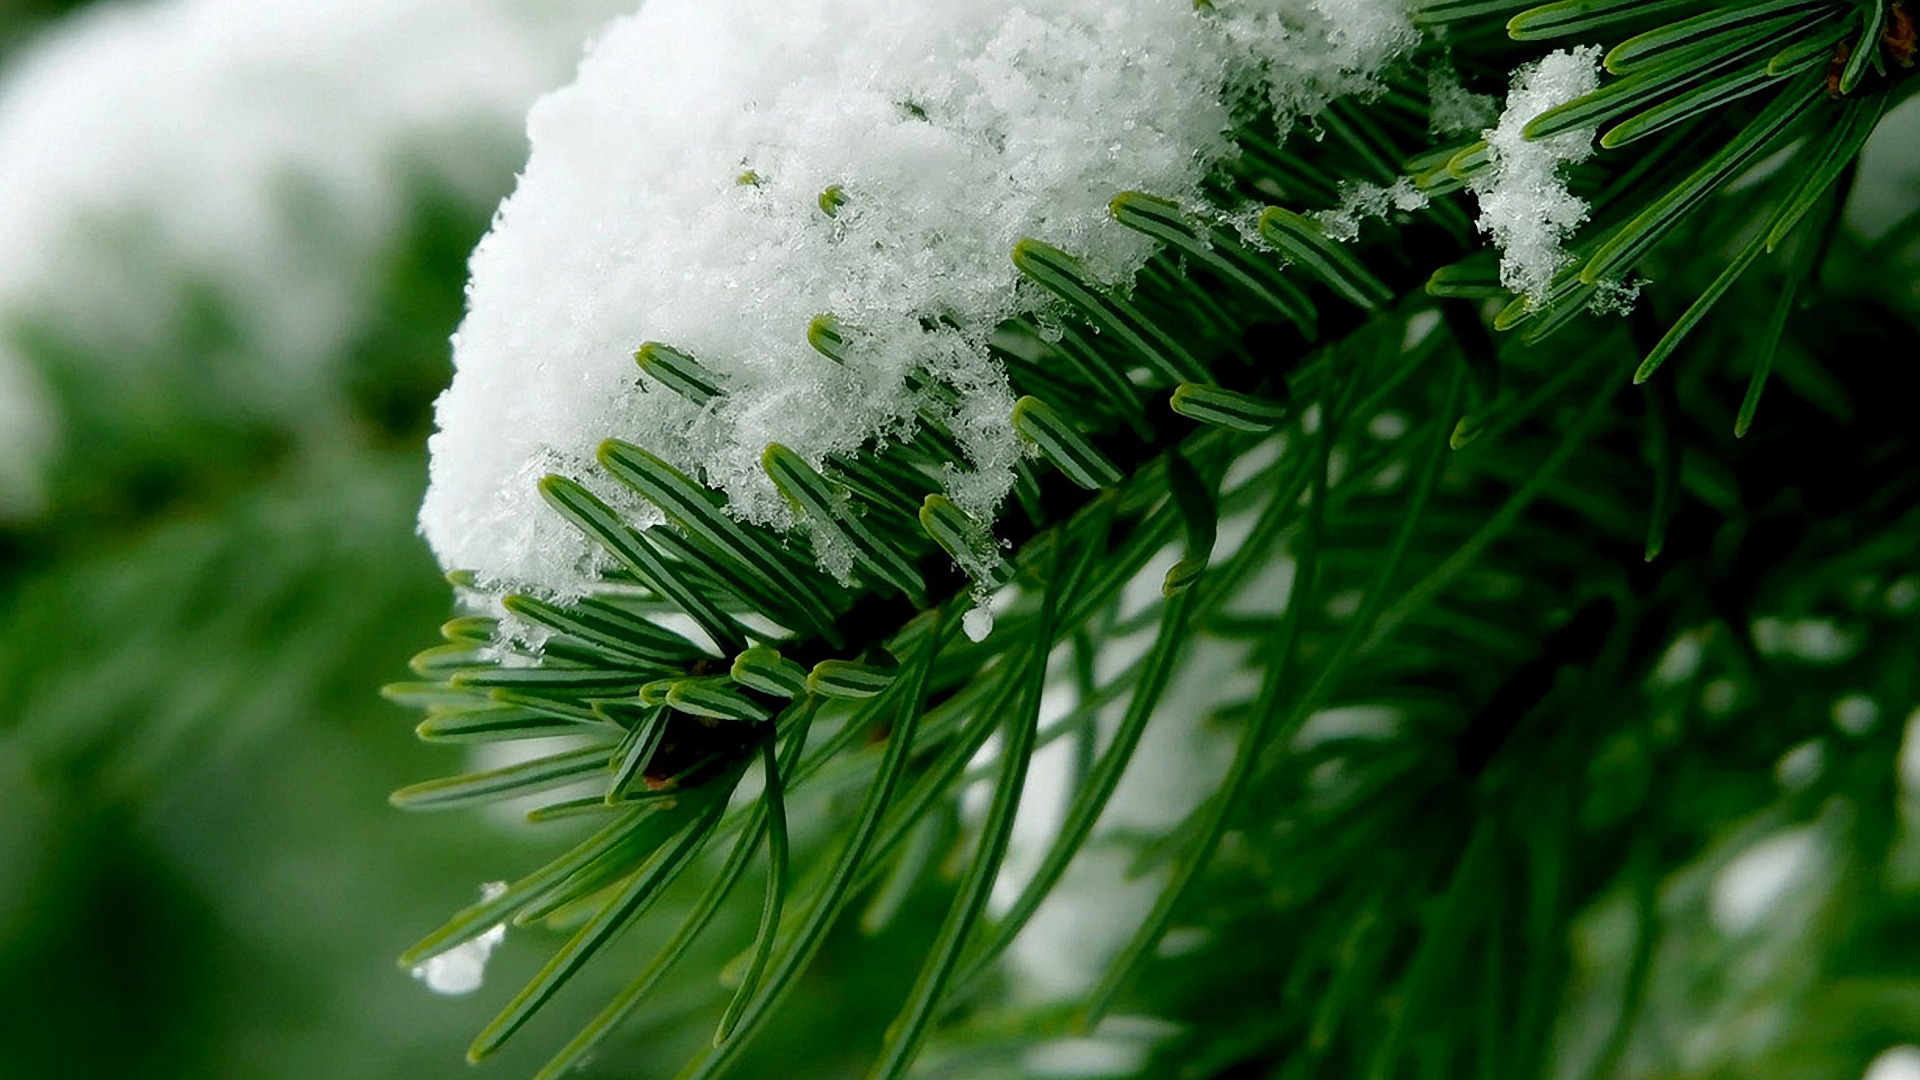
(199, 873)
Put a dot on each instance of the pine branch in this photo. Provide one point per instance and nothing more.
(1498, 552)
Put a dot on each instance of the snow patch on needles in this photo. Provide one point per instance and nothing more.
(463, 968)
(256, 151)
(1361, 202)
(674, 194)
(1524, 202)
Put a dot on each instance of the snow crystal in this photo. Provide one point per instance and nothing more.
(1457, 109)
(1360, 202)
(674, 194)
(252, 148)
(1614, 297)
(461, 969)
(1310, 53)
(1524, 202)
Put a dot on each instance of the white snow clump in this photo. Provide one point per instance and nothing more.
(1524, 202)
(461, 969)
(254, 148)
(673, 195)
(1457, 109)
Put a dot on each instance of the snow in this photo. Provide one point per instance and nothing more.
(1886, 184)
(1360, 202)
(1524, 202)
(1457, 109)
(1816, 641)
(26, 440)
(674, 195)
(1311, 53)
(978, 624)
(1759, 878)
(1099, 902)
(1898, 1063)
(1855, 714)
(257, 149)
(461, 969)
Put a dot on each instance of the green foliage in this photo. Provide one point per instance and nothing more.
(192, 755)
(1494, 545)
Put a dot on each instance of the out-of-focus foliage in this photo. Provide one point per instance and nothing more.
(19, 17)
(196, 874)
(194, 757)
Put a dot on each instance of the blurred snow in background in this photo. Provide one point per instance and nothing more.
(256, 151)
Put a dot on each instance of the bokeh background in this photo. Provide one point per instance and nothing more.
(235, 238)
(232, 246)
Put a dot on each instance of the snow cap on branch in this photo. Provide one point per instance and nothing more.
(674, 195)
